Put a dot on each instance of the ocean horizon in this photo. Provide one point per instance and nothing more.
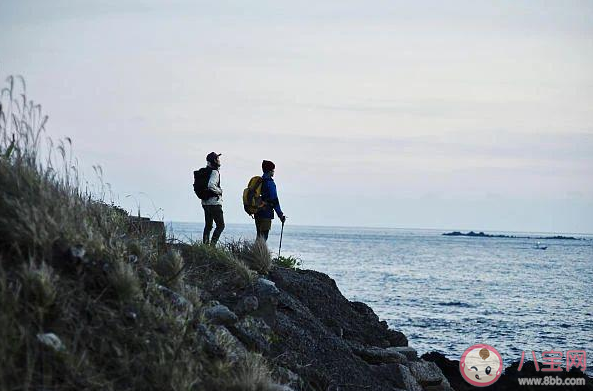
(447, 293)
(276, 223)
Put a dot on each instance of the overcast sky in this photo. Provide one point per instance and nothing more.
(419, 114)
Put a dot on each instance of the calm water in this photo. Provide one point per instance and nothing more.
(447, 293)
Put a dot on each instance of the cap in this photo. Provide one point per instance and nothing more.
(211, 157)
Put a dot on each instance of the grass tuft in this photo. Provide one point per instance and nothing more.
(217, 266)
(39, 285)
(124, 281)
(255, 254)
(171, 268)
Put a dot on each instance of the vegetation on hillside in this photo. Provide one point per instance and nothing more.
(90, 303)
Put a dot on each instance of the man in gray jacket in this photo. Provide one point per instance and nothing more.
(213, 205)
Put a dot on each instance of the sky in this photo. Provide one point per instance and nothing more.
(425, 114)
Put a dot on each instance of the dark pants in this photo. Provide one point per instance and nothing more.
(213, 213)
(263, 227)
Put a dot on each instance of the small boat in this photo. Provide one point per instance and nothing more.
(539, 246)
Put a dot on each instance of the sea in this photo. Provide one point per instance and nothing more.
(447, 293)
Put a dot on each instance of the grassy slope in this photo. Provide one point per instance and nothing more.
(71, 266)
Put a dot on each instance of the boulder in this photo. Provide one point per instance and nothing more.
(407, 351)
(267, 296)
(266, 288)
(409, 382)
(176, 299)
(374, 355)
(221, 315)
(251, 340)
(353, 321)
(247, 305)
(426, 373)
(330, 343)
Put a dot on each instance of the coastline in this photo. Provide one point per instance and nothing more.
(374, 346)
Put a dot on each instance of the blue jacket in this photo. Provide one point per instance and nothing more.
(270, 197)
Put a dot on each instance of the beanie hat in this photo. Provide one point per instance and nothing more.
(267, 165)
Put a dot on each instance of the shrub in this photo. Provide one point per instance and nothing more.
(290, 262)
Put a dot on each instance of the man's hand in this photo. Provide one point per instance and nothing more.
(283, 218)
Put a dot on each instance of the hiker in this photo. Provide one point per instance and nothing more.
(264, 216)
(207, 187)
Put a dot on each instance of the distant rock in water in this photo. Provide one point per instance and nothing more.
(484, 235)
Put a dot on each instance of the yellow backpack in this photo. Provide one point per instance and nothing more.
(252, 198)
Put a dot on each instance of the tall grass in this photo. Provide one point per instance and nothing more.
(70, 267)
(256, 255)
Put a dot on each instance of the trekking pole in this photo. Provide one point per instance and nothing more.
(281, 232)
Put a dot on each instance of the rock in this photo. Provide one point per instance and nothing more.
(444, 386)
(449, 368)
(374, 355)
(311, 314)
(267, 296)
(354, 321)
(252, 340)
(178, 300)
(265, 288)
(426, 373)
(407, 351)
(235, 350)
(254, 333)
(409, 381)
(221, 314)
(247, 305)
(52, 341)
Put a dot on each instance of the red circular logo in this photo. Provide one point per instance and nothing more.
(480, 365)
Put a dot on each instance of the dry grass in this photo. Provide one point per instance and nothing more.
(216, 266)
(69, 265)
(124, 281)
(171, 268)
(256, 254)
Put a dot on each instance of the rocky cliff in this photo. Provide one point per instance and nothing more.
(315, 338)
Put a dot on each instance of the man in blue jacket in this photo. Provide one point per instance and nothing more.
(263, 218)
